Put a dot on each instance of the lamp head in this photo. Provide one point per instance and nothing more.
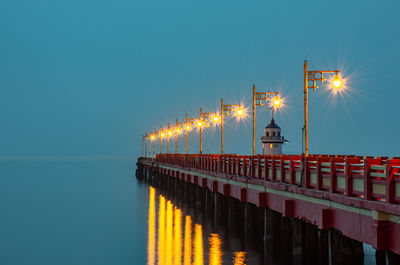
(337, 82)
(239, 111)
(277, 102)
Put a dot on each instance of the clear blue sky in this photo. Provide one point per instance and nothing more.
(87, 78)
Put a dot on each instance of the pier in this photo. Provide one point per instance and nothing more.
(330, 201)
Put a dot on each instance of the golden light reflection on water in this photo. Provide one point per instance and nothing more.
(198, 258)
(215, 253)
(169, 238)
(239, 258)
(161, 231)
(152, 227)
(177, 237)
(187, 250)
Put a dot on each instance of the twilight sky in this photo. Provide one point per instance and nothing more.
(87, 78)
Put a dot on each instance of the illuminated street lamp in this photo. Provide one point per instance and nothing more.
(145, 138)
(201, 124)
(258, 98)
(188, 127)
(178, 126)
(143, 143)
(153, 138)
(313, 77)
(149, 139)
(226, 110)
(162, 135)
(169, 133)
(277, 102)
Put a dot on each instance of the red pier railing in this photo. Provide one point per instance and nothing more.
(369, 178)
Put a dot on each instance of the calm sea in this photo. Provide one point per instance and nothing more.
(94, 211)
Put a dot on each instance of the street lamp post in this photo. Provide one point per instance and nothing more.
(154, 143)
(188, 127)
(187, 132)
(176, 136)
(222, 125)
(149, 138)
(226, 110)
(161, 138)
(142, 144)
(201, 130)
(314, 76)
(178, 126)
(145, 144)
(168, 135)
(258, 97)
(203, 116)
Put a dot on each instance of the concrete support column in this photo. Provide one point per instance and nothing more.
(312, 246)
(286, 250)
(228, 216)
(345, 250)
(246, 217)
(298, 241)
(215, 209)
(380, 257)
(272, 236)
(392, 258)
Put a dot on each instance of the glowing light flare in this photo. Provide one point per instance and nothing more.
(199, 124)
(337, 82)
(216, 119)
(162, 134)
(169, 133)
(177, 130)
(277, 102)
(152, 137)
(188, 127)
(239, 112)
(337, 85)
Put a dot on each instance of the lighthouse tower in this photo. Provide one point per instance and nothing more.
(272, 140)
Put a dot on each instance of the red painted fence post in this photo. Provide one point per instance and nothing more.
(282, 165)
(319, 173)
(252, 167)
(367, 180)
(273, 168)
(333, 175)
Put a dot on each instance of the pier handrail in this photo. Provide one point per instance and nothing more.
(369, 178)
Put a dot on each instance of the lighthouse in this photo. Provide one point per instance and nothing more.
(272, 140)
